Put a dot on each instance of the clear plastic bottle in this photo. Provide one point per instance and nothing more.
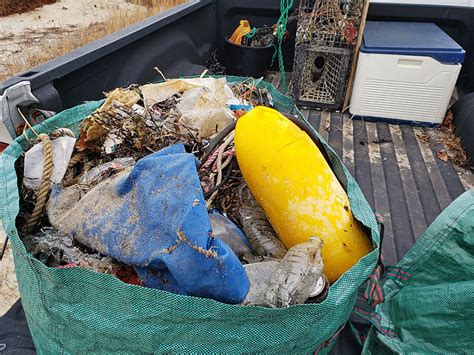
(296, 276)
(263, 239)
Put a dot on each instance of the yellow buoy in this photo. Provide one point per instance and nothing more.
(297, 189)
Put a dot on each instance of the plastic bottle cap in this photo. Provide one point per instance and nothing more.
(319, 287)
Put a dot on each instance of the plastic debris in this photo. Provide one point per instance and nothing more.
(155, 219)
(257, 228)
(259, 275)
(244, 35)
(34, 161)
(215, 92)
(239, 33)
(57, 249)
(128, 275)
(226, 230)
(296, 277)
(299, 200)
(207, 122)
(106, 170)
(201, 103)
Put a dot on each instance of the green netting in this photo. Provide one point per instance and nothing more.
(77, 310)
(429, 295)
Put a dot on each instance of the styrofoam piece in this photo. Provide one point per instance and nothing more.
(34, 161)
(400, 87)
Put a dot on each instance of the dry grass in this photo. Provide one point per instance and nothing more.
(8, 7)
(62, 40)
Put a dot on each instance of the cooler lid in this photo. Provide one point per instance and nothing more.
(411, 38)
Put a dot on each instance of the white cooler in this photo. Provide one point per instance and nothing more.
(406, 71)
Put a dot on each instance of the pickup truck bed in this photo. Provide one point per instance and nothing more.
(398, 170)
(396, 167)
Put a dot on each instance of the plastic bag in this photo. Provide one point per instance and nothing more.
(203, 93)
(56, 249)
(207, 122)
(103, 171)
(202, 103)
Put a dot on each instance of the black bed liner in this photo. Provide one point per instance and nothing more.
(402, 178)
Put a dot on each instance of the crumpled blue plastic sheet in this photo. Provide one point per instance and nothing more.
(154, 217)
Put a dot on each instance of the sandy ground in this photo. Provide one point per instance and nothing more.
(8, 285)
(28, 31)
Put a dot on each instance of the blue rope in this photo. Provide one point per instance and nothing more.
(251, 33)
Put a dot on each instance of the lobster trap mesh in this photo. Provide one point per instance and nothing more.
(331, 23)
(328, 30)
(322, 71)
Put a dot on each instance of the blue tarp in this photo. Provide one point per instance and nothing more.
(154, 217)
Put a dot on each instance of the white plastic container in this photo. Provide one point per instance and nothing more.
(405, 72)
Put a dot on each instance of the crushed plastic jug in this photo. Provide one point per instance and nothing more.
(259, 275)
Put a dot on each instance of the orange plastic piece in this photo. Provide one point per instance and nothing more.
(240, 32)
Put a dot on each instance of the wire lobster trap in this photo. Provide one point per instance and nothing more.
(320, 74)
(326, 35)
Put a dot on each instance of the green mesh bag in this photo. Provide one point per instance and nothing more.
(77, 310)
(429, 294)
